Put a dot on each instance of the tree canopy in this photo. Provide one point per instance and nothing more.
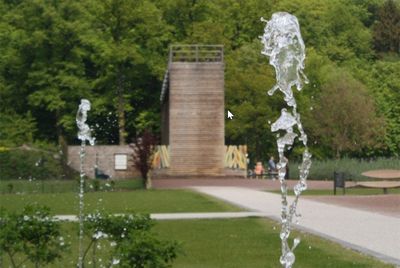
(114, 52)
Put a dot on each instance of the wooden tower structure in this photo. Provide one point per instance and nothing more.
(192, 100)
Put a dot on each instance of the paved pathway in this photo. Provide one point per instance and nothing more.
(172, 183)
(385, 204)
(185, 216)
(371, 233)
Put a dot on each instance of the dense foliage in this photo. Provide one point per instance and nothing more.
(131, 240)
(30, 163)
(31, 235)
(324, 169)
(143, 150)
(34, 235)
(114, 52)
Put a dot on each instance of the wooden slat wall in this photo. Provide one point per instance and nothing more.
(196, 118)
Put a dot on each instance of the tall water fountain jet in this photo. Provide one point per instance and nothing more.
(84, 134)
(285, 48)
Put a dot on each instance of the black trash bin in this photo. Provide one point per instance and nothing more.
(339, 181)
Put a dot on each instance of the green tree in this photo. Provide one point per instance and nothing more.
(334, 28)
(248, 78)
(387, 28)
(127, 39)
(384, 83)
(15, 129)
(182, 16)
(44, 62)
(345, 116)
(231, 23)
(34, 234)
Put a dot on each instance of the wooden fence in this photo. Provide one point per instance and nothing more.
(235, 157)
(196, 53)
(161, 157)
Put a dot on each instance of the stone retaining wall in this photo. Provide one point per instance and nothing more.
(104, 155)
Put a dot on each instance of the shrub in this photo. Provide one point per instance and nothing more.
(112, 185)
(16, 129)
(132, 242)
(30, 163)
(32, 233)
(323, 169)
(96, 185)
(143, 150)
(10, 188)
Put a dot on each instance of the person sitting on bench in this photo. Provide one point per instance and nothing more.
(259, 169)
(271, 165)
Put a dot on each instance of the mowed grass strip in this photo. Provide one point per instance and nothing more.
(144, 201)
(230, 243)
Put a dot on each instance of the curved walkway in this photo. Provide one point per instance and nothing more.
(371, 233)
(385, 204)
(183, 216)
(261, 184)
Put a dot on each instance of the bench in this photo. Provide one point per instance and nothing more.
(385, 185)
(381, 177)
(264, 175)
(99, 174)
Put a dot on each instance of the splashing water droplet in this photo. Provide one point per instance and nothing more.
(288, 259)
(84, 134)
(296, 242)
(285, 48)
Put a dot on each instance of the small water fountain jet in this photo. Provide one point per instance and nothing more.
(285, 48)
(84, 134)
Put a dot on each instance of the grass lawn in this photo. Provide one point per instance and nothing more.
(145, 201)
(255, 243)
(349, 191)
(233, 243)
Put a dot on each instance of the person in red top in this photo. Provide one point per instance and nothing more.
(259, 169)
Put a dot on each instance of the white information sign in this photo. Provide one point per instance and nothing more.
(121, 161)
